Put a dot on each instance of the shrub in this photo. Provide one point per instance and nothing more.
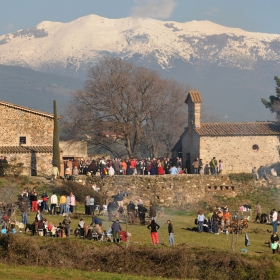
(174, 262)
(80, 191)
(241, 177)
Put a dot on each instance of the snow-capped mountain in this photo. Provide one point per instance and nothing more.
(74, 46)
(231, 67)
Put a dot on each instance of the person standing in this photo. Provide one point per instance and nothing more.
(117, 166)
(195, 165)
(87, 207)
(274, 220)
(34, 200)
(24, 212)
(274, 242)
(102, 165)
(220, 166)
(259, 212)
(154, 234)
(215, 221)
(66, 222)
(39, 224)
(142, 213)
(133, 166)
(118, 198)
(131, 213)
(200, 167)
(153, 212)
(67, 206)
(53, 204)
(45, 198)
(62, 203)
(116, 228)
(91, 205)
(255, 172)
(213, 166)
(72, 202)
(170, 232)
(200, 221)
(55, 172)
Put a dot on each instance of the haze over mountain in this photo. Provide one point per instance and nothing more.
(231, 67)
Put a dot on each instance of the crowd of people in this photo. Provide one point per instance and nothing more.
(33, 202)
(102, 167)
(217, 221)
(110, 167)
(160, 166)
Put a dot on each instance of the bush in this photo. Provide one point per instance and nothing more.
(181, 261)
(80, 191)
(241, 177)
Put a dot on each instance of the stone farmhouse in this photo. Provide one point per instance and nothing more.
(240, 146)
(27, 137)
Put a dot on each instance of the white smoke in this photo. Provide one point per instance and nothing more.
(153, 8)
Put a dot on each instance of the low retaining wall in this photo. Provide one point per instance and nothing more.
(169, 190)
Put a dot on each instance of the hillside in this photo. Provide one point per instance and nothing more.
(35, 89)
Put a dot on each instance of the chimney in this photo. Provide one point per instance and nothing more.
(194, 101)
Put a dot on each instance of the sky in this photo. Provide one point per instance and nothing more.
(250, 15)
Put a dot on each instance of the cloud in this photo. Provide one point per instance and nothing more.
(153, 8)
(211, 12)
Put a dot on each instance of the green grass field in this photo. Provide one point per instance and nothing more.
(39, 273)
(141, 235)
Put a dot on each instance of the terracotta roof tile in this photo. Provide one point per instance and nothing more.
(236, 129)
(26, 149)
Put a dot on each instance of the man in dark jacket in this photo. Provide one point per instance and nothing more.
(66, 222)
(118, 198)
(142, 213)
(153, 212)
(112, 206)
(215, 220)
(131, 212)
(116, 228)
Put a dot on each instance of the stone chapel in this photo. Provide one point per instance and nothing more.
(241, 146)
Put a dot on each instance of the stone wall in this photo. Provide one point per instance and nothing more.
(37, 164)
(15, 123)
(237, 152)
(174, 191)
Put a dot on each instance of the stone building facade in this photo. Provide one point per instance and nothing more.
(240, 146)
(26, 138)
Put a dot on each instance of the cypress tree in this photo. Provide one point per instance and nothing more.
(56, 150)
(274, 103)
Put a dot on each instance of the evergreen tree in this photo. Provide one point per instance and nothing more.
(274, 103)
(56, 150)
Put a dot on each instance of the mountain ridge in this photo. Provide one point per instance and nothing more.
(232, 68)
(85, 39)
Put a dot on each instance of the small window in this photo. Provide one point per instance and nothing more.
(255, 147)
(22, 140)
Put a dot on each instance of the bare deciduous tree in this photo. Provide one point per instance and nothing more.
(123, 107)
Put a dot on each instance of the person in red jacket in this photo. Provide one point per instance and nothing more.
(133, 165)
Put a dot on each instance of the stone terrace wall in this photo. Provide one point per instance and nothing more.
(174, 191)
